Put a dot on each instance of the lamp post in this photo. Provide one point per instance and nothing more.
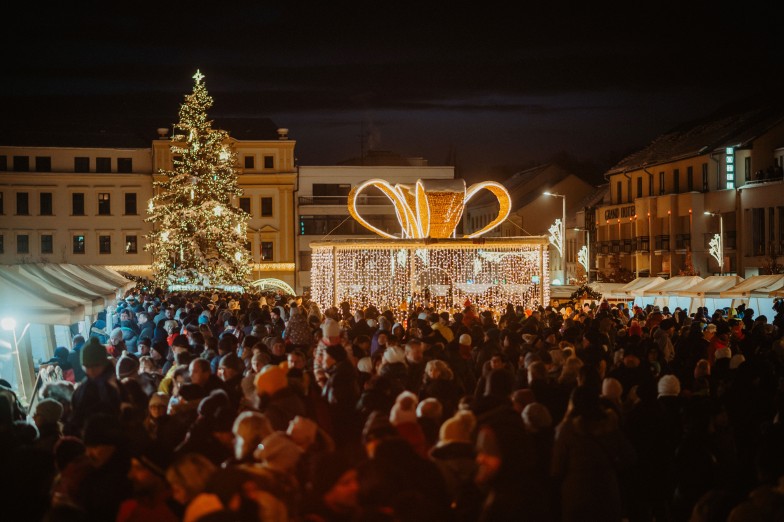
(717, 246)
(587, 252)
(563, 234)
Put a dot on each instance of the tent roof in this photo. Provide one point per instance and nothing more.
(672, 286)
(55, 284)
(756, 286)
(712, 286)
(29, 302)
(609, 290)
(633, 288)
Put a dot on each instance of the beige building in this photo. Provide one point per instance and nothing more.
(533, 212)
(728, 166)
(81, 198)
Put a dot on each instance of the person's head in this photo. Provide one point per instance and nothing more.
(278, 348)
(188, 476)
(337, 484)
(47, 412)
(230, 366)
(200, 371)
(158, 405)
(249, 429)
(102, 437)
(537, 371)
(415, 352)
(497, 361)
(94, 358)
(296, 359)
(334, 354)
(438, 369)
(148, 471)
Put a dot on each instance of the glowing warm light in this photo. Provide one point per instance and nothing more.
(443, 272)
(431, 208)
(275, 284)
(218, 210)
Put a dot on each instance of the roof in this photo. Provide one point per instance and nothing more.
(734, 125)
(712, 286)
(633, 288)
(673, 286)
(136, 133)
(756, 286)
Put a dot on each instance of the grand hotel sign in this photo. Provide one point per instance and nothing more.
(619, 212)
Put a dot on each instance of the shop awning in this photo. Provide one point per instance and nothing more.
(756, 286)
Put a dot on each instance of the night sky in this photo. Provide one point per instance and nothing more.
(501, 86)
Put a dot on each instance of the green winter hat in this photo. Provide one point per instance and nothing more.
(94, 353)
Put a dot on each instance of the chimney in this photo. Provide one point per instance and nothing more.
(283, 134)
(162, 132)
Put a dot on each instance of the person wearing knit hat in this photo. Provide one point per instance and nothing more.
(127, 366)
(47, 412)
(147, 475)
(403, 417)
(270, 379)
(331, 332)
(377, 428)
(459, 428)
(394, 355)
(94, 355)
(536, 417)
(736, 361)
(279, 452)
(302, 431)
(337, 352)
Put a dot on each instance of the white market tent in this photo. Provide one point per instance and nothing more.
(755, 292)
(633, 290)
(669, 292)
(39, 303)
(610, 291)
(707, 293)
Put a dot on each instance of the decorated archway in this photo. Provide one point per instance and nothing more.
(270, 283)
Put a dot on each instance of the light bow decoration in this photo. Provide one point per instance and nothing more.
(431, 208)
(556, 236)
(715, 249)
(582, 257)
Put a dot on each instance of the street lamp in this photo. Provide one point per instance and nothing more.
(562, 232)
(717, 243)
(585, 251)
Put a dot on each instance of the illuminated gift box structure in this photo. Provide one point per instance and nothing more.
(427, 264)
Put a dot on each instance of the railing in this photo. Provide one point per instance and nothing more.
(615, 246)
(643, 243)
(603, 247)
(683, 241)
(627, 246)
(662, 243)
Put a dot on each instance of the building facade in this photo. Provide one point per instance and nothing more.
(721, 176)
(86, 202)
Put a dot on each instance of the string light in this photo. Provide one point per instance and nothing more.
(443, 272)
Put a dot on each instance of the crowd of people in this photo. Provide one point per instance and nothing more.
(226, 407)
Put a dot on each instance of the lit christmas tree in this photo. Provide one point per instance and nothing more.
(198, 236)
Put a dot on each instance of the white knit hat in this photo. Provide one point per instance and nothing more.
(669, 386)
(465, 340)
(404, 409)
(394, 355)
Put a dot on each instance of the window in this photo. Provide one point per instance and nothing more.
(104, 204)
(639, 187)
(103, 164)
(619, 192)
(305, 261)
(124, 165)
(690, 179)
(130, 204)
(104, 244)
(747, 167)
(269, 162)
(771, 228)
(676, 181)
(650, 184)
(46, 203)
(250, 162)
(22, 244)
(325, 193)
(266, 251)
(266, 207)
(81, 164)
(705, 177)
(77, 204)
(629, 190)
(21, 164)
(131, 245)
(78, 244)
(47, 246)
(43, 164)
(245, 205)
(22, 204)
(661, 183)
(4, 163)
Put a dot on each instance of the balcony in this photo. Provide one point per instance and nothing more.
(643, 244)
(603, 247)
(662, 243)
(627, 246)
(615, 246)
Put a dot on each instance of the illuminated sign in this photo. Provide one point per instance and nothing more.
(730, 160)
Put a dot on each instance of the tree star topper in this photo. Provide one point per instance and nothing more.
(198, 76)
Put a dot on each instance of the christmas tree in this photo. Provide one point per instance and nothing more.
(198, 236)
